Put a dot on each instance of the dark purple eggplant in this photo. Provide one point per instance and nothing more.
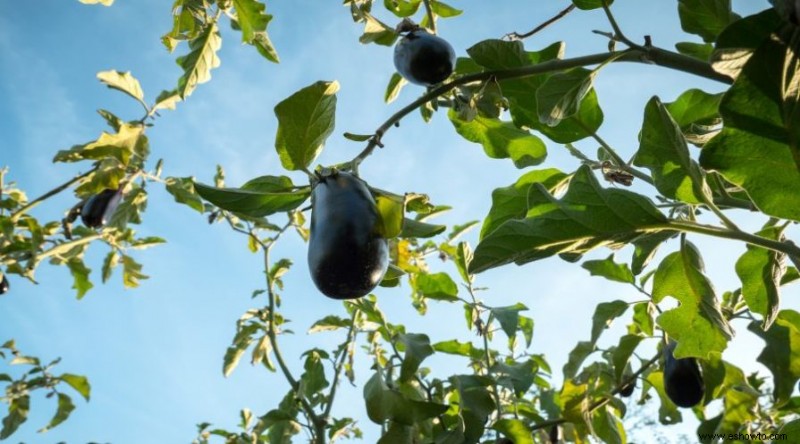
(347, 255)
(98, 209)
(683, 381)
(627, 391)
(4, 285)
(424, 59)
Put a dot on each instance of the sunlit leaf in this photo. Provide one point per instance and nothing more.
(305, 120)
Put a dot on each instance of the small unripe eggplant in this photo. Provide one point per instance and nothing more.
(424, 59)
(98, 209)
(4, 285)
(682, 379)
(347, 255)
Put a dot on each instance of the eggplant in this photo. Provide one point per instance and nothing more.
(98, 209)
(347, 255)
(683, 381)
(4, 285)
(424, 59)
(627, 391)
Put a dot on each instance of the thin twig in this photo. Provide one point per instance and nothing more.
(337, 371)
(17, 214)
(429, 12)
(513, 36)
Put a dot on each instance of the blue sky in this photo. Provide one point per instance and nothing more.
(154, 354)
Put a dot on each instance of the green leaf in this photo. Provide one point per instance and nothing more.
(696, 113)
(129, 140)
(18, 410)
(402, 8)
(663, 150)
(700, 51)
(251, 18)
(167, 100)
(511, 202)
(668, 412)
(80, 275)
(515, 430)
(737, 42)
(706, 18)
(644, 317)
(398, 433)
(182, 189)
(123, 81)
(396, 83)
(588, 216)
(416, 229)
(444, 10)
(760, 271)
(579, 353)
(608, 427)
(264, 46)
(645, 248)
(508, 317)
(438, 286)
(417, 347)
(329, 323)
(759, 145)
(518, 376)
(501, 140)
(560, 95)
(622, 354)
(131, 272)
(313, 380)
(202, 58)
(79, 383)
(375, 31)
(781, 355)
(604, 314)
(455, 347)
(305, 120)
(610, 270)
(240, 343)
(95, 2)
(391, 208)
(385, 404)
(591, 4)
(697, 324)
(65, 407)
(252, 202)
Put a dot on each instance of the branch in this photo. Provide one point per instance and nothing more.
(17, 214)
(429, 12)
(513, 36)
(650, 55)
(351, 336)
(787, 247)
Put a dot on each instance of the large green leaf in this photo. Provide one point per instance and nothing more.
(122, 145)
(252, 202)
(760, 271)
(664, 152)
(560, 96)
(577, 355)
(202, 58)
(759, 148)
(79, 383)
(439, 286)
(501, 139)
(697, 324)
(305, 120)
(511, 202)
(737, 42)
(781, 355)
(588, 216)
(668, 412)
(697, 114)
(591, 4)
(706, 18)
